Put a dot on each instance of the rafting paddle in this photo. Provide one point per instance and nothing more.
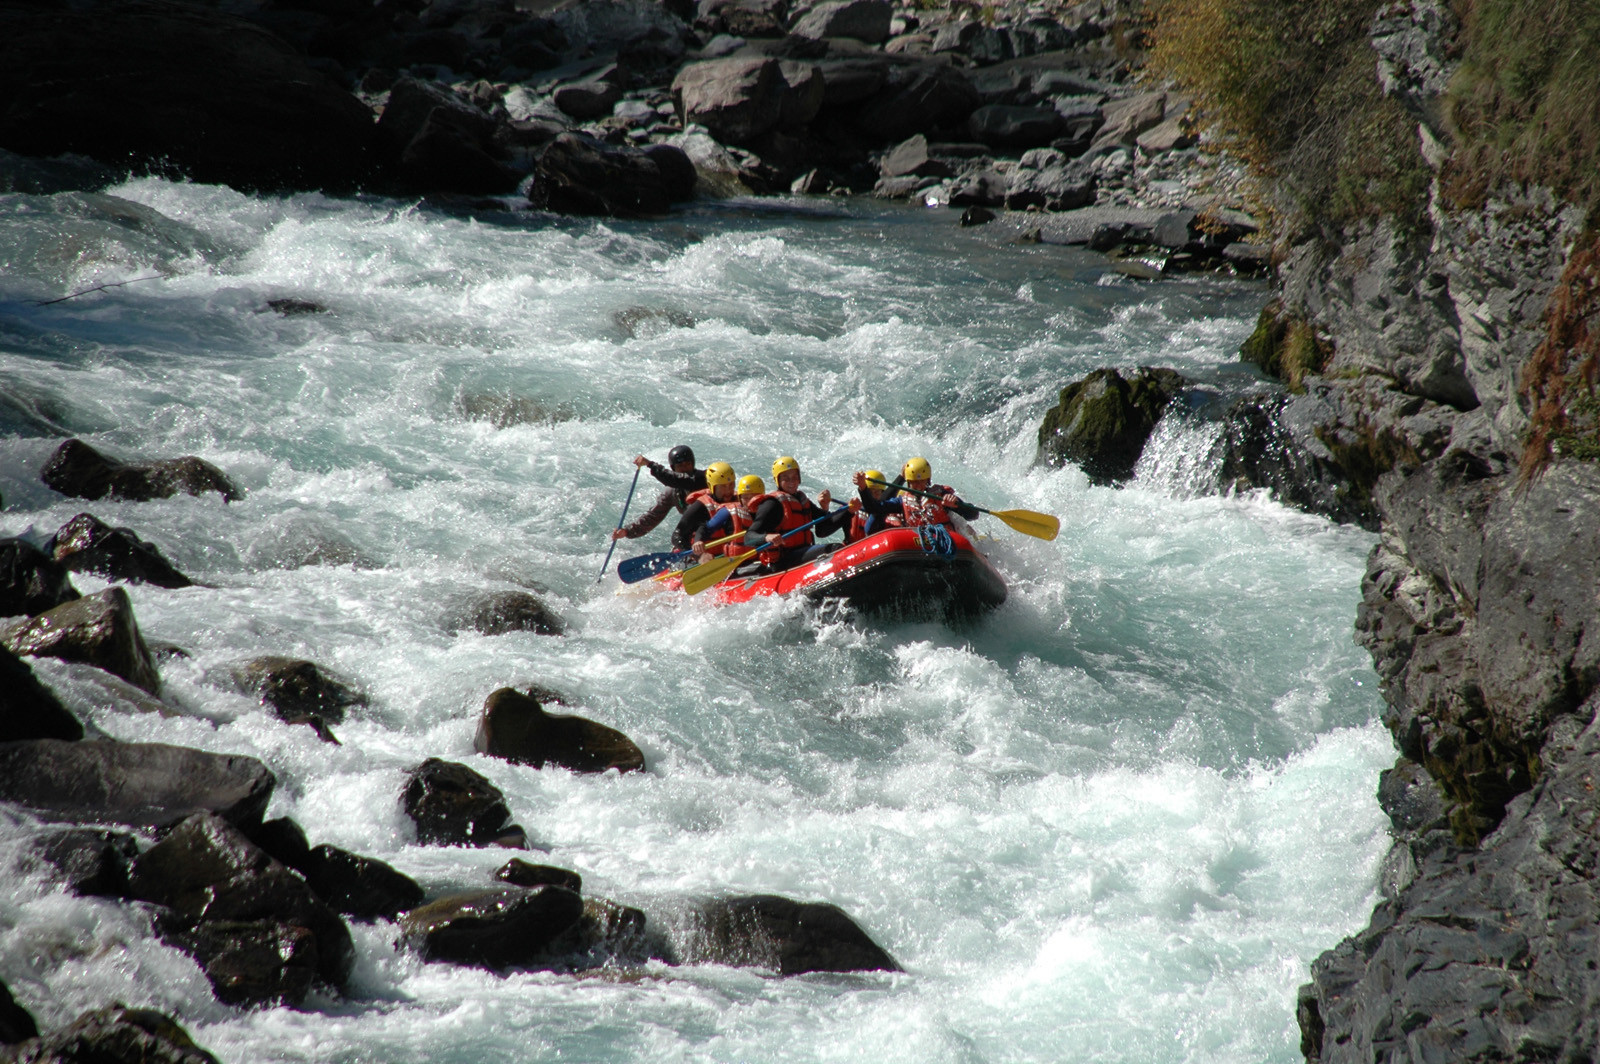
(707, 574)
(625, 504)
(633, 570)
(1029, 523)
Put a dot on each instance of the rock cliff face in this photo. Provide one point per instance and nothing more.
(1479, 607)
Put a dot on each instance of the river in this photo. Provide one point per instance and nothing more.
(1114, 820)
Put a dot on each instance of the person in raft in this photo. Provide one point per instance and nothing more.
(681, 477)
(704, 503)
(730, 519)
(863, 524)
(916, 509)
(787, 509)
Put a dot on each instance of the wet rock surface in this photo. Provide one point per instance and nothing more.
(31, 581)
(97, 630)
(137, 784)
(114, 1035)
(1102, 421)
(787, 936)
(88, 860)
(78, 470)
(520, 873)
(86, 544)
(516, 727)
(29, 709)
(298, 691)
(496, 929)
(453, 805)
(499, 612)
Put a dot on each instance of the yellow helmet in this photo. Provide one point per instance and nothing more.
(750, 484)
(918, 469)
(718, 473)
(876, 479)
(784, 465)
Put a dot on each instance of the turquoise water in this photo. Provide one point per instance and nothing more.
(1112, 821)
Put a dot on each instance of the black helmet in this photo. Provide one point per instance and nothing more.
(680, 455)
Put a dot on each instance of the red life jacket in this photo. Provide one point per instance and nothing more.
(920, 511)
(858, 527)
(739, 522)
(796, 512)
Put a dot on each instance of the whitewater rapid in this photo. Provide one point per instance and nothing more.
(1112, 821)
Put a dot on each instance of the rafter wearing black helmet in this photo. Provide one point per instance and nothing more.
(681, 478)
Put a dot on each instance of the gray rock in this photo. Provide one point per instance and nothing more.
(296, 690)
(804, 90)
(910, 158)
(917, 101)
(29, 709)
(137, 784)
(779, 934)
(580, 175)
(1169, 135)
(587, 100)
(1127, 118)
(864, 20)
(978, 188)
(846, 81)
(499, 612)
(1052, 188)
(97, 630)
(453, 805)
(736, 99)
(115, 1035)
(501, 930)
(87, 861)
(984, 44)
(1014, 127)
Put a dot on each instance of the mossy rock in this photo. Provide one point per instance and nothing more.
(1102, 421)
(1286, 346)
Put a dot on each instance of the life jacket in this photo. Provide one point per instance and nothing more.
(739, 522)
(858, 527)
(796, 512)
(917, 510)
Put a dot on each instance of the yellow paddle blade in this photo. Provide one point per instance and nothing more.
(709, 574)
(1037, 525)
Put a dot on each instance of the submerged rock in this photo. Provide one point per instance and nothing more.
(498, 612)
(453, 805)
(137, 784)
(520, 873)
(29, 709)
(96, 630)
(87, 544)
(78, 470)
(514, 726)
(31, 581)
(1102, 421)
(298, 691)
(114, 1035)
(495, 929)
(208, 873)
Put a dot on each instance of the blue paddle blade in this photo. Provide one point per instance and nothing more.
(633, 570)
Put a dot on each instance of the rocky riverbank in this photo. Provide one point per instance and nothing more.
(1438, 372)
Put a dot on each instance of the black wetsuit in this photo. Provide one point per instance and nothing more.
(888, 506)
(679, 486)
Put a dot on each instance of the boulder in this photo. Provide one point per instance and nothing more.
(87, 544)
(78, 470)
(176, 86)
(587, 100)
(499, 612)
(1171, 134)
(979, 188)
(363, 887)
(804, 90)
(29, 709)
(445, 156)
(736, 99)
(16, 1025)
(515, 727)
(918, 101)
(1052, 188)
(576, 174)
(97, 630)
(1102, 421)
(678, 176)
(973, 216)
(910, 158)
(496, 929)
(790, 937)
(137, 784)
(984, 44)
(520, 873)
(453, 805)
(1014, 127)
(609, 933)
(299, 692)
(846, 81)
(864, 20)
(1125, 119)
(31, 581)
(745, 18)
(88, 861)
(413, 102)
(114, 1035)
(250, 962)
(206, 871)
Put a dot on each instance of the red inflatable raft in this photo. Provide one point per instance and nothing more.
(929, 570)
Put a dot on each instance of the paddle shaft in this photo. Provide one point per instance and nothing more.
(625, 504)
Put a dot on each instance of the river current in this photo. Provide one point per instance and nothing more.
(1114, 820)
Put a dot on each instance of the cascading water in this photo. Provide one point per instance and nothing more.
(1111, 821)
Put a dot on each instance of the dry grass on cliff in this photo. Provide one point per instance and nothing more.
(1559, 380)
(1290, 85)
(1526, 100)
